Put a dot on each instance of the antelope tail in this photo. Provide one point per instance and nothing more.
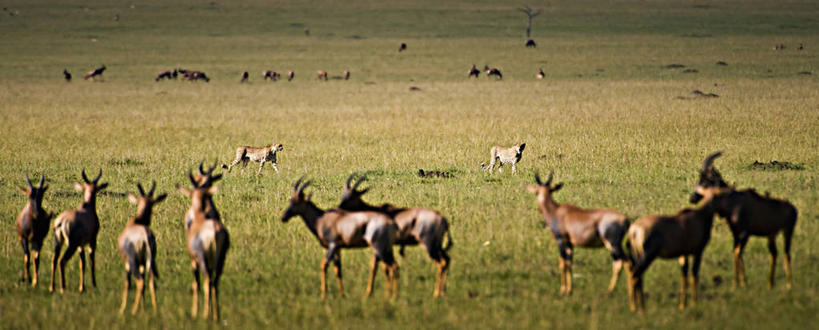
(449, 241)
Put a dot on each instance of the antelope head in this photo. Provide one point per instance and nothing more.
(544, 190)
(145, 202)
(200, 192)
(351, 197)
(35, 194)
(205, 178)
(711, 181)
(298, 201)
(90, 188)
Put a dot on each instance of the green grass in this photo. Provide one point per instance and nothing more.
(607, 120)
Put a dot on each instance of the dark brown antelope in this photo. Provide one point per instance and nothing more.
(403, 47)
(32, 227)
(321, 74)
(572, 226)
(66, 75)
(195, 75)
(271, 75)
(290, 75)
(93, 74)
(748, 214)
(137, 247)
(474, 71)
(346, 75)
(531, 44)
(208, 243)
(492, 72)
(166, 75)
(338, 229)
(416, 226)
(77, 229)
(668, 236)
(245, 76)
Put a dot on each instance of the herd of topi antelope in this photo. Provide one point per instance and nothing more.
(356, 224)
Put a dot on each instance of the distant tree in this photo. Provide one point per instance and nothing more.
(529, 14)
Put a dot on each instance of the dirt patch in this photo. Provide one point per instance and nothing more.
(691, 71)
(721, 63)
(434, 174)
(674, 66)
(775, 165)
(414, 89)
(806, 73)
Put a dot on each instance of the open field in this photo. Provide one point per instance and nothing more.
(607, 119)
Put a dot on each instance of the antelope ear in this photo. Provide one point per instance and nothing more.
(77, 186)
(160, 198)
(532, 188)
(22, 190)
(102, 186)
(132, 198)
(43, 189)
(183, 190)
(557, 187)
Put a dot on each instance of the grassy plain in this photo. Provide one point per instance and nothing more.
(607, 119)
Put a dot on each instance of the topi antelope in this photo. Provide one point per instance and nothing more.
(572, 226)
(194, 75)
(66, 75)
(492, 72)
(402, 48)
(748, 214)
(272, 75)
(208, 243)
(668, 236)
(32, 226)
(290, 75)
(346, 75)
(78, 228)
(474, 71)
(245, 154)
(166, 75)
(93, 74)
(416, 226)
(504, 155)
(245, 76)
(137, 247)
(540, 74)
(322, 75)
(338, 229)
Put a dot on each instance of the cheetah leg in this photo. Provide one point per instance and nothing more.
(261, 165)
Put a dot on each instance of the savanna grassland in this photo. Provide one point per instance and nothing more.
(617, 126)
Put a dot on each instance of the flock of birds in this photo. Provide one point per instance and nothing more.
(356, 224)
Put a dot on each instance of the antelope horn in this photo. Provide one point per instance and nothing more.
(359, 181)
(549, 179)
(301, 190)
(193, 181)
(537, 179)
(42, 180)
(201, 170)
(141, 191)
(28, 181)
(153, 186)
(709, 161)
(349, 179)
(298, 183)
(99, 175)
(84, 177)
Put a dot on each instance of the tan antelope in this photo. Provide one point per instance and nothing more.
(93, 74)
(492, 72)
(416, 226)
(322, 75)
(504, 155)
(208, 243)
(204, 179)
(572, 227)
(474, 71)
(194, 75)
(32, 227)
(668, 237)
(338, 229)
(540, 74)
(245, 154)
(748, 214)
(137, 247)
(77, 229)
(66, 75)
